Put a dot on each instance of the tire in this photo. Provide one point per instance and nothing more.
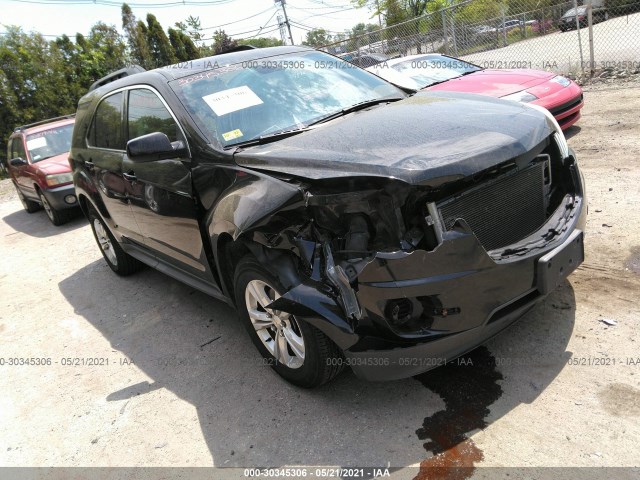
(118, 260)
(29, 205)
(309, 358)
(55, 216)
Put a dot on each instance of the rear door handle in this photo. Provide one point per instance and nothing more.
(130, 177)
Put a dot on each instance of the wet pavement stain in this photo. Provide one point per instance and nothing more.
(621, 400)
(468, 386)
(633, 261)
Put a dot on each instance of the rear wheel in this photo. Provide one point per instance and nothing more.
(29, 205)
(120, 261)
(56, 216)
(297, 351)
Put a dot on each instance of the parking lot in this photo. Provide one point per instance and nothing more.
(560, 51)
(145, 371)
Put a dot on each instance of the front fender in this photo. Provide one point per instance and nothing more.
(308, 303)
(251, 200)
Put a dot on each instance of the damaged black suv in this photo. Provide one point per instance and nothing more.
(349, 222)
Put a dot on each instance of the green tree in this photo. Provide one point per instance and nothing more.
(32, 83)
(317, 37)
(192, 28)
(178, 47)
(222, 42)
(159, 46)
(135, 33)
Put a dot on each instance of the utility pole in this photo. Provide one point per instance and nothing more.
(283, 33)
(286, 19)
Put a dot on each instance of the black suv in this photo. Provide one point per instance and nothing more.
(349, 222)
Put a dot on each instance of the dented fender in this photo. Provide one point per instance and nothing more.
(309, 303)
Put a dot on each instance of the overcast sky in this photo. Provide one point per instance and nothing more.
(55, 17)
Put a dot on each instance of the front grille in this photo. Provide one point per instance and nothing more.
(502, 211)
(565, 107)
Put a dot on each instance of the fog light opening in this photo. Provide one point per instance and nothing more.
(70, 199)
(399, 311)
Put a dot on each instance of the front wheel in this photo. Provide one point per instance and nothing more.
(297, 351)
(120, 261)
(57, 217)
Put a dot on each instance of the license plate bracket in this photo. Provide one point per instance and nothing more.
(556, 265)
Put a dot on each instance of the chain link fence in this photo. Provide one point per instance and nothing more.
(571, 37)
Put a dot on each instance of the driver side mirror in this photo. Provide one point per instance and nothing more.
(154, 146)
(17, 162)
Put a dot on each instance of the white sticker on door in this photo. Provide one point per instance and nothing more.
(231, 100)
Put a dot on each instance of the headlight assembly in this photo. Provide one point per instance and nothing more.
(59, 179)
(565, 82)
(523, 96)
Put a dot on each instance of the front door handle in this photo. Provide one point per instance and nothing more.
(130, 177)
(89, 165)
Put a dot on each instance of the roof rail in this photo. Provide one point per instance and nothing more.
(42, 122)
(238, 48)
(117, 75)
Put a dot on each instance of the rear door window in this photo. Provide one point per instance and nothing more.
(106, 130)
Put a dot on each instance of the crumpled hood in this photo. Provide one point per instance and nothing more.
(53, 165)
(497, 83)
(429, 138)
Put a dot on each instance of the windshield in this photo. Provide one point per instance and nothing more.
(243, 102)
(427, 70)
(49, 143)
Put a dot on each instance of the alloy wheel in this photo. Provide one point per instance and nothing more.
(105, 242)
(47, 207)
(278, 331)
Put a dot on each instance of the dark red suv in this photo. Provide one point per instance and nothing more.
(39, 167)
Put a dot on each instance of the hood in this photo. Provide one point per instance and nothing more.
(57, 164)
(495, 83)
(429, 138)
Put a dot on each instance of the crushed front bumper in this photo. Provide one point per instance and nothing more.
(420, 309)
(476, 296)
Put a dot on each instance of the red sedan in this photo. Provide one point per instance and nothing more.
(561, 96)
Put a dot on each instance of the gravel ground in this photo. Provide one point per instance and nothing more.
(184, 387)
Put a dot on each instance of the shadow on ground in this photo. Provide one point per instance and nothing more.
(572, 131)
(38, 225)
(250, 417)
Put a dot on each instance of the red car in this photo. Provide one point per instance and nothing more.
(39, 167)
(561, 96)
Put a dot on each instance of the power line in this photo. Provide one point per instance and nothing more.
(318, 8)
(169, 4)
(241, 20)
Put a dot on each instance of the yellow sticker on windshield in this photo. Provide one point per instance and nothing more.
(233, 134)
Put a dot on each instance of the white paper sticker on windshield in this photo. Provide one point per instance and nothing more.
(36, 143)
(231, 100)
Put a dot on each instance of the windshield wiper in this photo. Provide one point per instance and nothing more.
(271, 137)
(354, 108)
